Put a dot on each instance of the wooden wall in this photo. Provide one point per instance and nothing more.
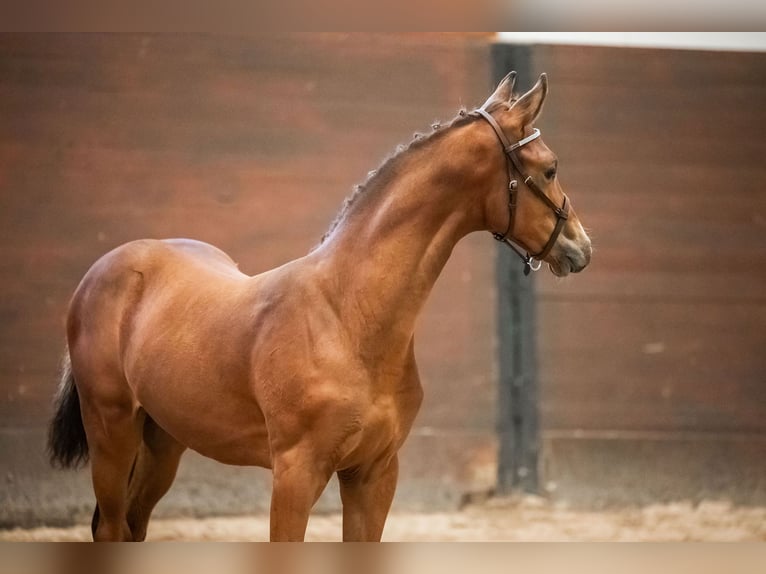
(652, 375)
(652, 368)
(250, 144)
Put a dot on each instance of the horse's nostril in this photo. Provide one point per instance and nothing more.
(573, 265)
(581, 260)
(578, 262)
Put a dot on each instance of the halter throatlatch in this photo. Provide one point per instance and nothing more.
(513, 162)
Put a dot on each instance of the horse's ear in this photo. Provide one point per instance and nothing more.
(502, 94)
(529, 106)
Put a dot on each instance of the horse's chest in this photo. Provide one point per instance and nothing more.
(384, 426)
(381, 423)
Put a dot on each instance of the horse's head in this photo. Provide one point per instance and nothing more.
(526, 203)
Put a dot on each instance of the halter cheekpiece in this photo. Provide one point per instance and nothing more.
(512, 161)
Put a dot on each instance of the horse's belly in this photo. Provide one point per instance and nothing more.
(225, 428)
(251, 449)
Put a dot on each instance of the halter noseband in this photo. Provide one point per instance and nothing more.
(512, 161)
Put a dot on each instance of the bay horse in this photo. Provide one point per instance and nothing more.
(307, 369)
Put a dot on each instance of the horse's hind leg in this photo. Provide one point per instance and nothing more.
(113, 428)
(155, 470)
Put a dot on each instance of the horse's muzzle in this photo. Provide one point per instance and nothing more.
(571, 259)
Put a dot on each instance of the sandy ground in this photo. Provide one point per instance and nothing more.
(508, 519)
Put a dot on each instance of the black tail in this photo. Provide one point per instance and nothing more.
(67, 444)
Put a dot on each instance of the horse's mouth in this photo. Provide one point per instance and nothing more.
(559, 269)
(563, 266)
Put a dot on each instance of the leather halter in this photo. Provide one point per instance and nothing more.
(512, 161)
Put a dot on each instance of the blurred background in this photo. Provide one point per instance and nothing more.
(642, 380)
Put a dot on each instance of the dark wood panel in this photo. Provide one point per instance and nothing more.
(701, 241)
(653, 366)
(638, 67)
(662, 153)
(663, 112)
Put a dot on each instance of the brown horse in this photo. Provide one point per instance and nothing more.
(308, 369)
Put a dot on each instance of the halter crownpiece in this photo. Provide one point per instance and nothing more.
(512, 161)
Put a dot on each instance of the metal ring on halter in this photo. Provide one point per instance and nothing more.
(532, 267)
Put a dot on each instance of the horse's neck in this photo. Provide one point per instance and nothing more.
(386, 254)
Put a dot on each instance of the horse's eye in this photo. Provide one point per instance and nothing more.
(551, 173)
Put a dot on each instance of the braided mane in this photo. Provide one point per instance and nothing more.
(378, 177)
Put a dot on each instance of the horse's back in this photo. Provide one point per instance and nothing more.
(202, 252)
(108, 297)
(152, 255)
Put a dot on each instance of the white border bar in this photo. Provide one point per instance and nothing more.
(734, 41)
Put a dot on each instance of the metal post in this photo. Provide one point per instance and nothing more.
(518, 426)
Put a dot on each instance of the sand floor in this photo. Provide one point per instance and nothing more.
(526, 518)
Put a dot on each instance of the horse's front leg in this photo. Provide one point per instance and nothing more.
(367, 494)
(299, 479)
